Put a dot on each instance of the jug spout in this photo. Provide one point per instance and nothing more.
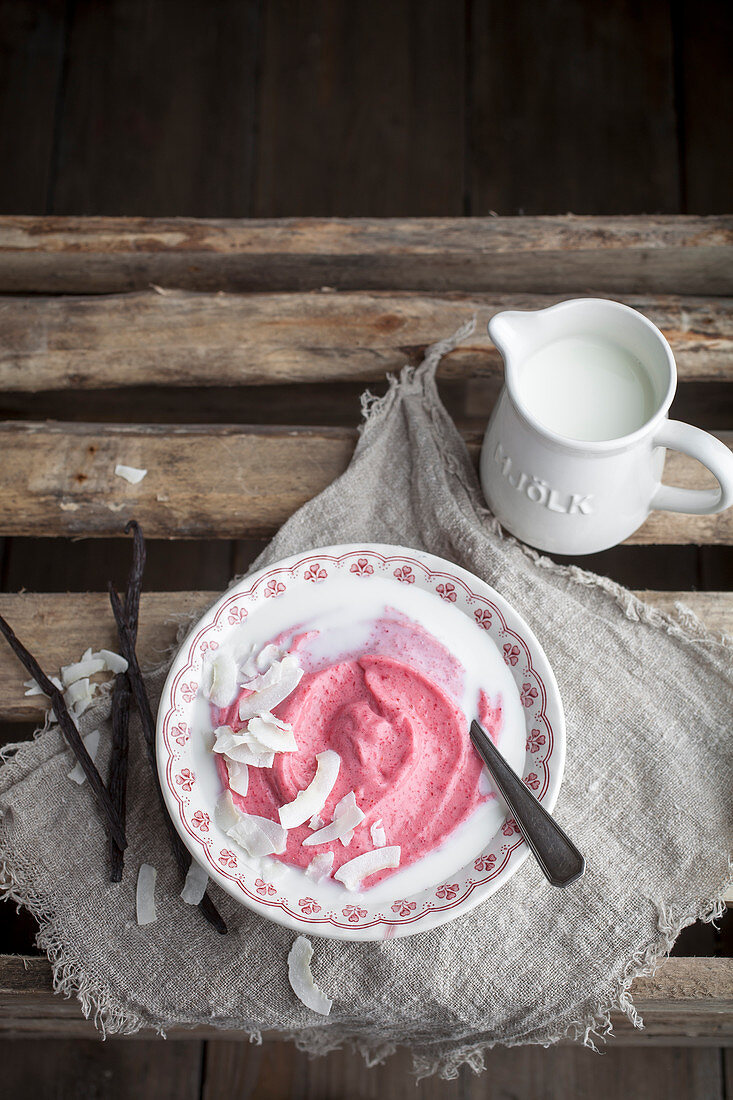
(516, 332)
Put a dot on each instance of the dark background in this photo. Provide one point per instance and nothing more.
(270, 108)
(250, 108)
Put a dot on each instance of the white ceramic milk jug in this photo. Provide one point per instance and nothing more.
(573, 454)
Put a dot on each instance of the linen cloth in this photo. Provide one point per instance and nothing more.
(646, 796)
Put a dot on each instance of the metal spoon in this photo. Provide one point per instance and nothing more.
(560, 860)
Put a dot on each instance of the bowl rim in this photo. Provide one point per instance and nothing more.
(438, 914)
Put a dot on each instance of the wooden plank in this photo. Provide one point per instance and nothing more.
(217, 481)
(262, 1073)
(361, 109)
(714, 608)
(572, 108)
(705, 83)
(669, 1029)
(58, 627)
(87, 1070)
(701, 985)
(68, 471)
(178, 338)
(158, 113)
(541, 255)
(31, 58)
(686, 1001)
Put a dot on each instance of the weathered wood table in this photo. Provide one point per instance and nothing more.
(129, 331)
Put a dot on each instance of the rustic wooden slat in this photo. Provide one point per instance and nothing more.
(58, 627)
(89, 1070)
(178, 338)
(217, 481)
(261, 1072)
(685, 1001)
(566, 255)
(671, 1029)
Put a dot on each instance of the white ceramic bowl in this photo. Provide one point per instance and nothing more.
(479, 857)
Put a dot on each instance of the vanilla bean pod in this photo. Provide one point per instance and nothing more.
(118, 768)
(70, 732)
(180, 851)
(121, 701)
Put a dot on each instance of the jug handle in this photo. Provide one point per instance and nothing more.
(706, 449)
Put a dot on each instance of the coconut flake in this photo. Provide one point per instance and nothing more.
(282, 678)
(242, 747)
(79, 696)
(36, 689)
(255, 665)
(378, 835)
(114, 662)
(343, 804)
(348, 802)
(312, 800)
(339, 828)
(220, 679)
(259, 836)
(272, 675)
(91, 744)
(81, 707)
(145, 896)
(273, 734)
(76, 691)
(238, 777)
(352, 874)
(194, 887)
(320, 866)
(226, 813)
(301, 977)
(316, 822)
(86, 667)
(130, 473)
(255, 756)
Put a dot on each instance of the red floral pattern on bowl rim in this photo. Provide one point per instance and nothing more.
(482, 876)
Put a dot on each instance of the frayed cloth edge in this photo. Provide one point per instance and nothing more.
(682, 623)
(70, 976)
(374, 408)
(596, 1024)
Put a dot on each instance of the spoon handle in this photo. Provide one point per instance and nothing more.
(560, 860)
